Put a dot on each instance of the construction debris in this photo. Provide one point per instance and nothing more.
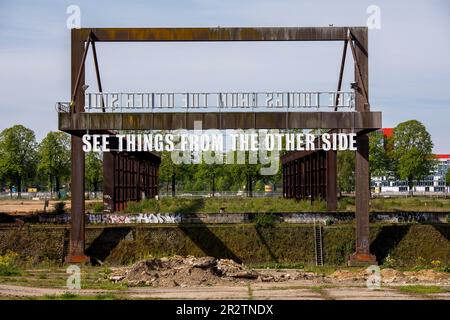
(182, 271)
(179, 271)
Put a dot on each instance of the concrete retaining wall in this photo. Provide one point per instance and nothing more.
(304, 217)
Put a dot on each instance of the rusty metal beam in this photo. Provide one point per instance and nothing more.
(219, 34)
(77, 225)
(341, 73)
(361, 61)
(215, 120)
(80, 74)
(97, 74)
(362, 254)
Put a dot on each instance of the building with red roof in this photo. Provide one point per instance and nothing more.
(435, 182)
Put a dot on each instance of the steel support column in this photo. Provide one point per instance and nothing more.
(331, 178)
(362, 255)
(76, 243)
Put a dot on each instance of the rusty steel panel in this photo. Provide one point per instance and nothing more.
(129, 176)
(310, 175)
(307, 175)
(219, 34)
(214, 120)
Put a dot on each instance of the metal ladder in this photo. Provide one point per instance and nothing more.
(318, 243)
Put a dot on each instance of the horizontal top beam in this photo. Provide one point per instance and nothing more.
(218, 34)
(218, 120)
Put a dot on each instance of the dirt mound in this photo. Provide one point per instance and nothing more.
(183, 271)
(389, 275)
(347, 275)
(429, 275)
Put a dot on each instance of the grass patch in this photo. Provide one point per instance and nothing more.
(230, 205)
(420, 289)
(72, 296)
(64, 296)
(410, 204)
(277, 204)
(9, 264)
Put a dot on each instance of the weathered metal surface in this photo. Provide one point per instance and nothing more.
(129, 176)
(362, 254)
(215, 120)
(362, 182)
(331, 193)
(310, 175)
(363, 121)
(77, 237)
(220, 34)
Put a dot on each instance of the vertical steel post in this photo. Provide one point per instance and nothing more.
(108, 181)
(331, 180)
(362, 254)
(76, 243)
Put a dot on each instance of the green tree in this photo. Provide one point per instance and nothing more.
(93, 171)
(54, 157)
(246, 173)
(170, 172)
(378, 158)
(346, 171)
(412, 151)
(17, 156)
(205, 176)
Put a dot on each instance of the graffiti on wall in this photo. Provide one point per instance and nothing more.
(148, 218)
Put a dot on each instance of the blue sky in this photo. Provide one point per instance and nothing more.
(409, 56)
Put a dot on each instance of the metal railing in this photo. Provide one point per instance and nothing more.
(62, 107)
(215, 101)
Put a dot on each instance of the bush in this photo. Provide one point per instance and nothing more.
(98, 207)
(264, 220)
(8, 264)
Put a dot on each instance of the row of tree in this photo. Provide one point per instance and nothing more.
(213, 177)
(407, 155)
(46, 165)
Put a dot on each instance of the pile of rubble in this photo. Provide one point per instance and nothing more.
(193, 271)
(204, 271)
(182, 271)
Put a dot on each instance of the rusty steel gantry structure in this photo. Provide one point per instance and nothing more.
(76, 121)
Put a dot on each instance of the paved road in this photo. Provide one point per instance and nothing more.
(299, 290)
